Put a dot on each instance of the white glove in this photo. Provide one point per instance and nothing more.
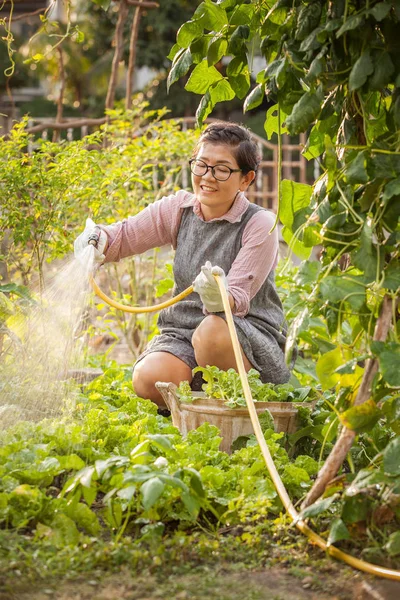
(82, 241)
(206, 286)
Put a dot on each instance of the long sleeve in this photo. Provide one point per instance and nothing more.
(156, 225)
(255, 260)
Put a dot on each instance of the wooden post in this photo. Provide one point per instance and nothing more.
(56, 132)
(346, 438)
(119, 43)
(132, 56)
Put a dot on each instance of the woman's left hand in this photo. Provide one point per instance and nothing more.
(206, 286)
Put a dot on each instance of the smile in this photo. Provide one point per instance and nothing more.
(206, 188)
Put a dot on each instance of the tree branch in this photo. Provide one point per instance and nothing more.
(26, 15)
(119, 44)
(65, 124)
(144, 4)
(346, 438)
(56, 133)
(132, 55)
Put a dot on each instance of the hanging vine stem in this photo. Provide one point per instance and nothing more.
(61, 36)
(346, 203)
(9, 38)
(279, 182)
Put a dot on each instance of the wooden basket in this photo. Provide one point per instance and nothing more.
(232, 422)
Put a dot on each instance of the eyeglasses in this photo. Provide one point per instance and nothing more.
(220, 172)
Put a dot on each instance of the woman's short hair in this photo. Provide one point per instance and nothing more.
(238, 138)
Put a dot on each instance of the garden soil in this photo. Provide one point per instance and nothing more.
(331, 582)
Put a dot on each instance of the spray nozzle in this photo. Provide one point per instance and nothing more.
(94, 237)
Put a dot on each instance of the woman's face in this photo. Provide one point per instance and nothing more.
(216, 197)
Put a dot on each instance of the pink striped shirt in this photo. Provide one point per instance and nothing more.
(158, 225)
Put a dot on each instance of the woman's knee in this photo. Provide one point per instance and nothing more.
(158, 367)
(212, 332)
(143, 381)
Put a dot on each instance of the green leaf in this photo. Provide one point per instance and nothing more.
(180, 66)
(237, 41)
(20, 290)
(317, 508)
(306, 366)
(392, 546)
(255, 98)
(383, 69)
(295, 245)
(202, 78)
(352, 23)
(239, 75)
(380, 10)
(391, 457)
(365, 257)
(151, 490)
(64, 531)
(304, 112)
(216, 50)
(389, 361)
(84, 518)
(386, 166)
(360, 71)
(198, 49)
(164, 286)
(392, 277)
(356, 171)
(337, 532)
(221, 92)
(191, 503)
(308, 19)
(272, 122)
(361, 417)
(308, 272)
(71, 462)
(188, 32)
(326, 367)
(174, 51)
(204, 109)
(161, 441)
(391, 189)
(215, 17)
(242, 13)
(343, 288)
(295, 196)
(355, 509)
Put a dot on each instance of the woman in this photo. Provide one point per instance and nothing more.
(214, 225)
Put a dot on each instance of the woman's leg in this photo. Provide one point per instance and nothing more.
(213, 346)
(158, 366)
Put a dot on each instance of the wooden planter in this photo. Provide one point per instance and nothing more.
(232, 422)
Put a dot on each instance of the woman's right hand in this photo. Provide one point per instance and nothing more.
(90, 232)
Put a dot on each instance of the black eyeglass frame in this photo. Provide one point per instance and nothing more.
(193, 160)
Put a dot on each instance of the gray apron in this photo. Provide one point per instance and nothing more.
(261, 333)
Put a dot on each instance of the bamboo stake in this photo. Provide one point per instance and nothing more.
(132, 55)
(56, 132)
(346, 438)
(119, 43)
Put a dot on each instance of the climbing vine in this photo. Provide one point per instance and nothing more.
(343, 89)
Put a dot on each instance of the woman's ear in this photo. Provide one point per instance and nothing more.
(247, 180)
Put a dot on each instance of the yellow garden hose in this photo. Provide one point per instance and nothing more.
(277, 481)
(139, 309)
